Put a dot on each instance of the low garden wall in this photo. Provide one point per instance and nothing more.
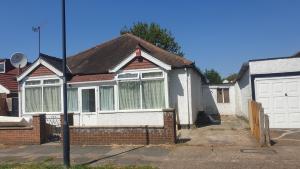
(101, 135)
(34, 134)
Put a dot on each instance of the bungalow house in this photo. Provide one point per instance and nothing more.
(123, 82)
(8, 88)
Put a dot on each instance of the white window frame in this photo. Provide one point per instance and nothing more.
(78, 110)
(4, 67)
(140, 80)
(96, 100)
(99, 100)
(42, 85)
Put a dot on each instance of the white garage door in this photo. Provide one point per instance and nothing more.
(280, 98)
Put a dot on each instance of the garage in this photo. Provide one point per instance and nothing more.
(280, 97)
(275, 83)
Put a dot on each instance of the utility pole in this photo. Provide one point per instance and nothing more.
(38, 29)
(66, 136)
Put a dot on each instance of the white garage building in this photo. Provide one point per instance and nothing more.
(274, 82)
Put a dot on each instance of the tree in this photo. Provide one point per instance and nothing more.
(231, 77)
(156, 35)
(213, 76)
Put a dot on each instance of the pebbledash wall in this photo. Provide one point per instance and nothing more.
(34, 134)
(102, 135)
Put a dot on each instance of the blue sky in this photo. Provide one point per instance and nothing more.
(215, 34)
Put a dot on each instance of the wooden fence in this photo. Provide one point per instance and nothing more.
(259, 123)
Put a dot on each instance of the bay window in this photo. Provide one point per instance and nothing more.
(141, 91)
(43, 96)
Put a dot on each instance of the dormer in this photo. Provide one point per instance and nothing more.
(2, 66)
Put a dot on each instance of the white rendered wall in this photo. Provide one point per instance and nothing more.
(275, 66)
(211, 104)
(178, 95)
(196, 94)
(243, 89)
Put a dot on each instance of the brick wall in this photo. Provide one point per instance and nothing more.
(25, 135)
(41, 71)
(126, 135)
(139, 63)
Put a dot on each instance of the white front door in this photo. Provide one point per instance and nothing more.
(280, 98)
(88, 105)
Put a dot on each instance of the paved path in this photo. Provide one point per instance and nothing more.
(177, 156)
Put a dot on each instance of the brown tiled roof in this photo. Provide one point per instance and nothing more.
(9, 81)
(103, 57)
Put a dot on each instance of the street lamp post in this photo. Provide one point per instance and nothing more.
(66, 137)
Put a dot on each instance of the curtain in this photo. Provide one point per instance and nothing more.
(153, 94)
(88, 100)
(129, 95)
(106, 98)
(33, 99)
(72, 99)
(51, 99)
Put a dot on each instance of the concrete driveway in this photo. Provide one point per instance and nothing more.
(231, 132)
(285, 137)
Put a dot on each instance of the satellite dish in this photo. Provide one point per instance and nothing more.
(18, 60)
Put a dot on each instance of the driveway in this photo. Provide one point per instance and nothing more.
(286, 137)
(232, 131)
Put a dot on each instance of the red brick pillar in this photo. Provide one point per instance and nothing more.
(39, 129)
(170, 125)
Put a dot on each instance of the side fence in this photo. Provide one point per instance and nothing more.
(259, 123)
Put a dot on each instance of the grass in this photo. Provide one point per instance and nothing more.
(54, 166)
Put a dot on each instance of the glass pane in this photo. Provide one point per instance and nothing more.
(106, 98)
(153, 94)
(33, 99)
(152, 74)
(226, 95)
(33, 82)
(219, 96)
(129, 95)
(88, 100)
(72, 99)
(1, 67)
(51, 81)
(128, 75)
(52, 99)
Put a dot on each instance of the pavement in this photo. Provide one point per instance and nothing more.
(207, 147)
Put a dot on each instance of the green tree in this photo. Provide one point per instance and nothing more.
(213, 76)
(231, 77)
(156, 35)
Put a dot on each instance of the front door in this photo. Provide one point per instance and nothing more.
(88, 105)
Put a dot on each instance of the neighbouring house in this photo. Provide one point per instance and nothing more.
(274, 82)
(123, 82)
(8, 89)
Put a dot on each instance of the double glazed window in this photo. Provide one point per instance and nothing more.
(141, 91)
(223, 95)
(2, 67)
(43, 96)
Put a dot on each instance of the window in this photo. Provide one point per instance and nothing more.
(43, 96)
(106, 97)
(128, 76)
(88, 100)
(223, 95)
(153, 94)
(2, 67)
(129, 95)
(72, 96)
(145, 93)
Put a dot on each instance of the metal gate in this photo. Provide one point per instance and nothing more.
(53, 128)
